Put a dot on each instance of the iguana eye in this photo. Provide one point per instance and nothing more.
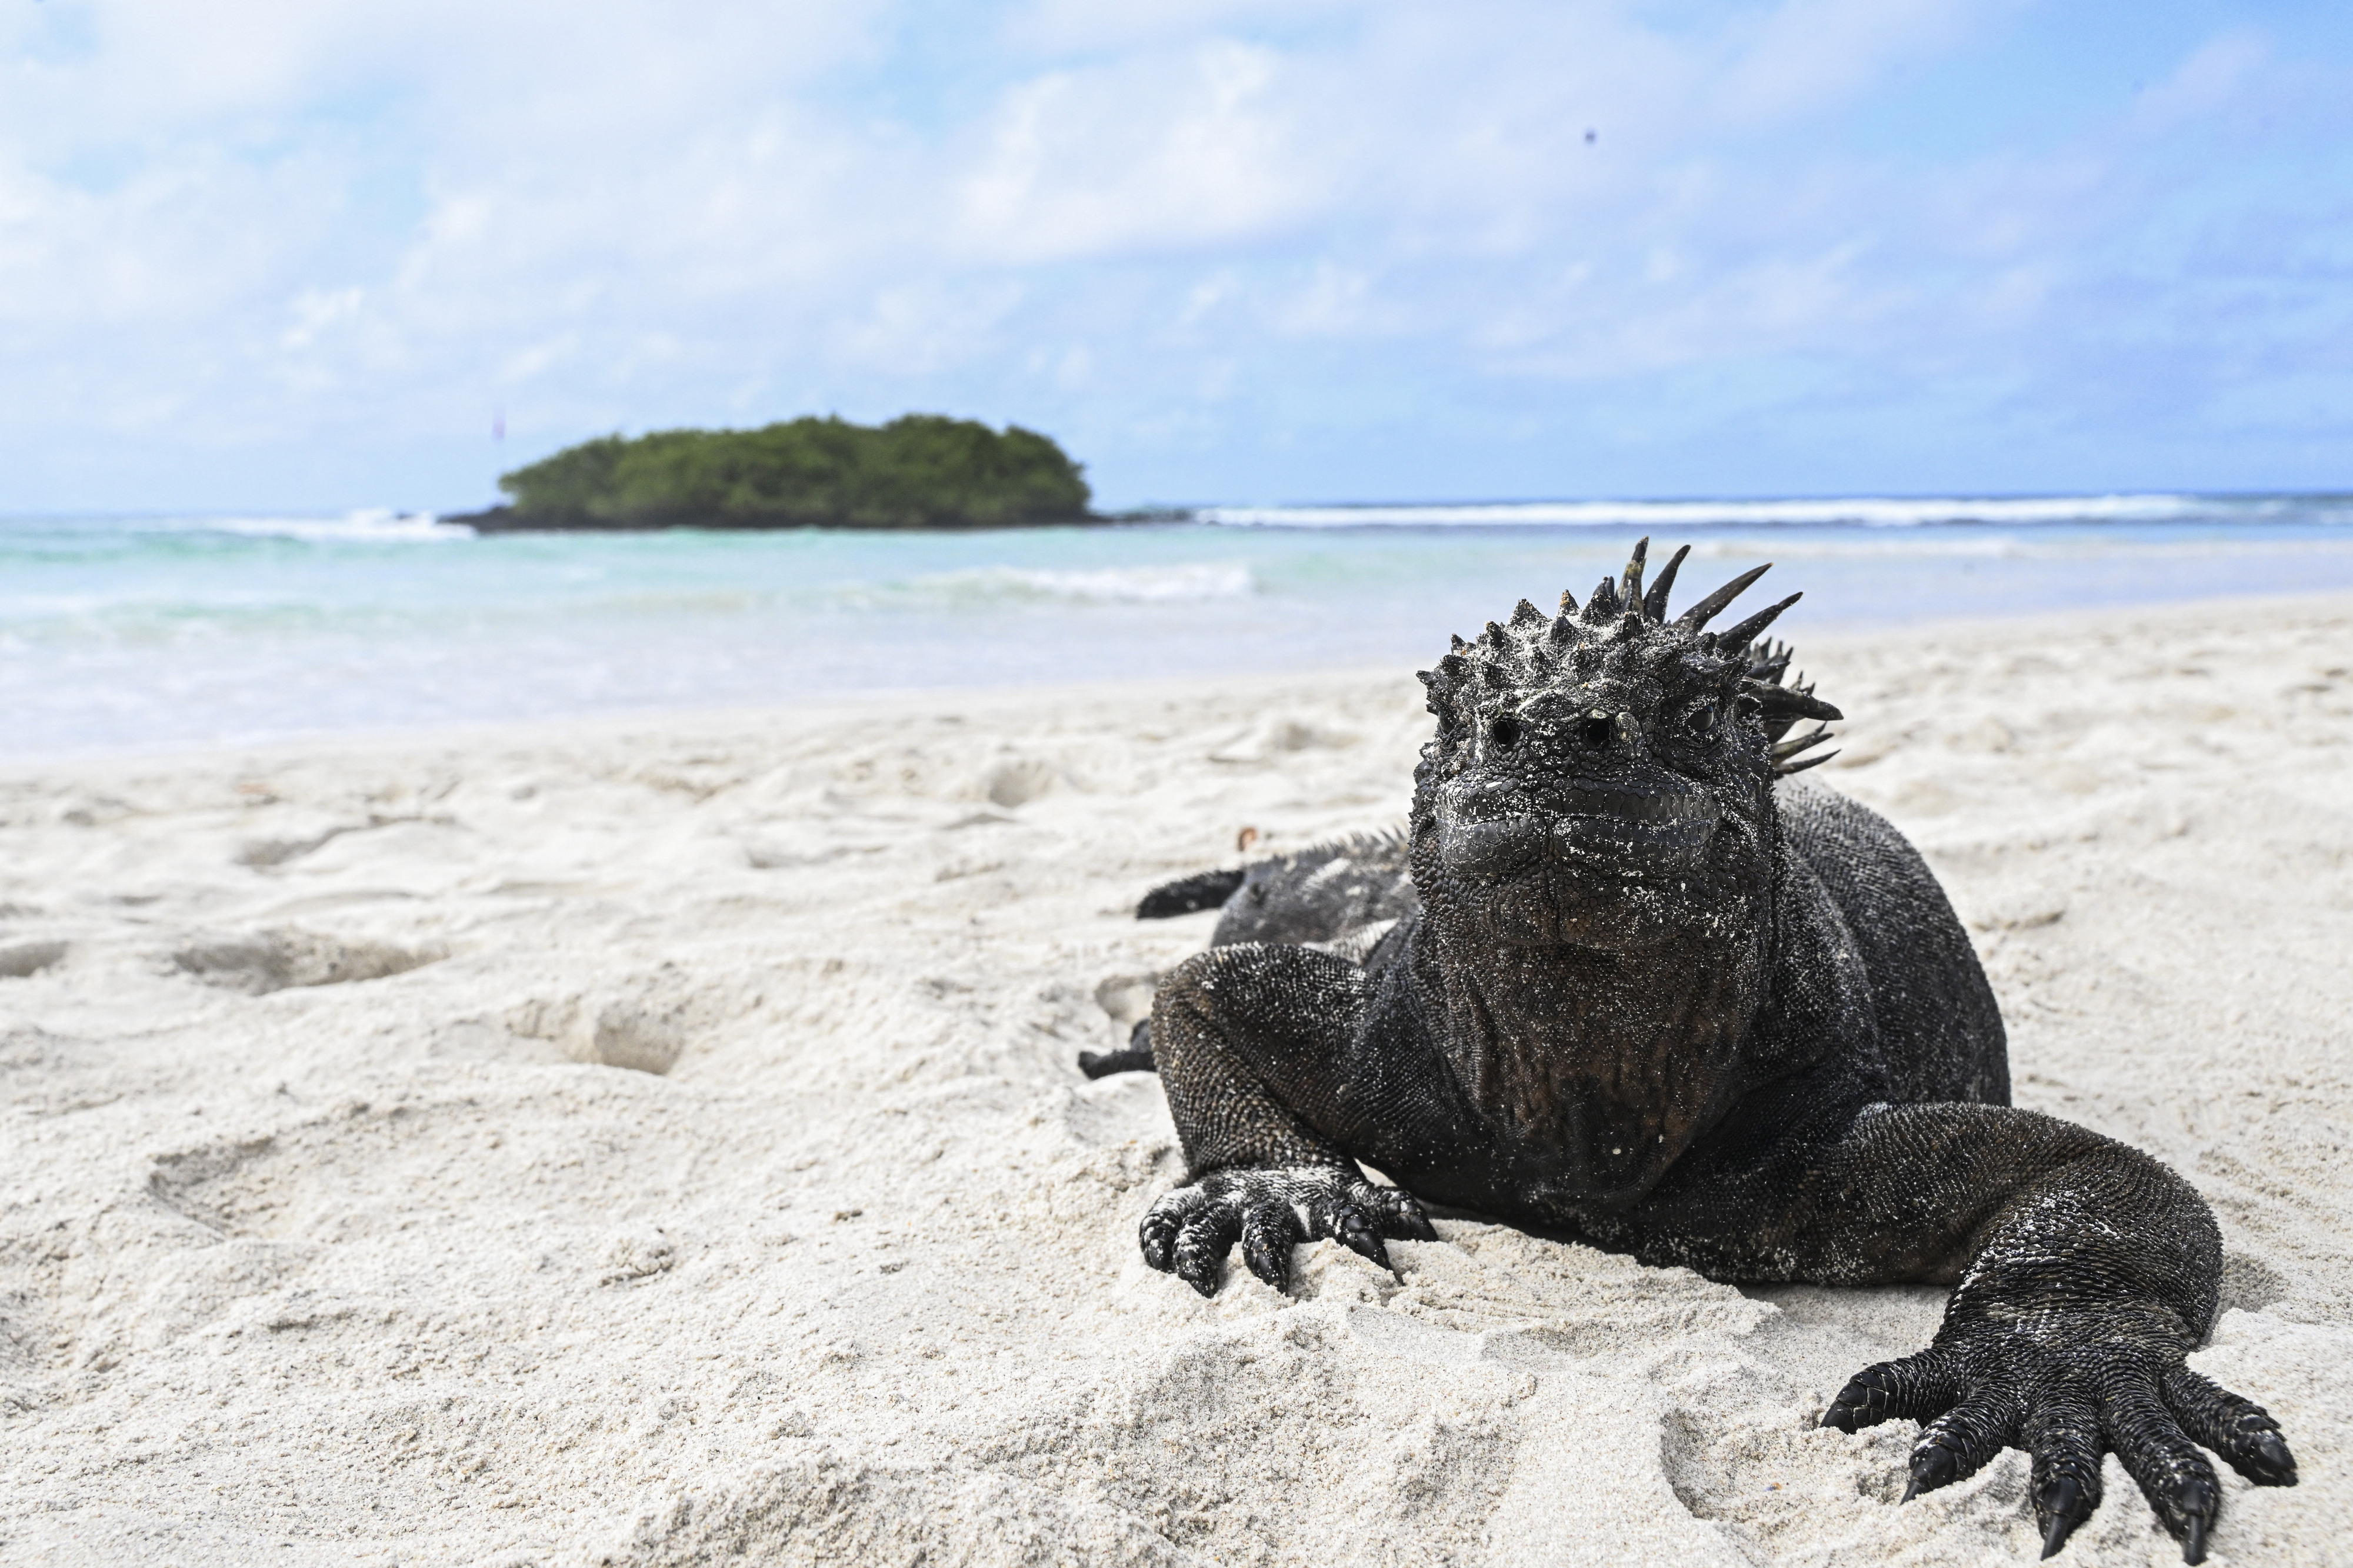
(1504, 730)
(1702, 720)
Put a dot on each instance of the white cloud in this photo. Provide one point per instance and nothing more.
(1183, 151)
(2208, 80)
(1805, 56)
(926, 328)
(314, 310)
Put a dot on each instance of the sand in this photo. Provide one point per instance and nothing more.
(659, 1142)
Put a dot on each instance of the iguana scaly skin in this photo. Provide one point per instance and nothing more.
(1649, 995)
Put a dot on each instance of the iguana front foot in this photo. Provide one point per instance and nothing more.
(1188, 1232)
(2067, 1398)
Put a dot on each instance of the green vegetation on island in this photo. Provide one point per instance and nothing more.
(920, 470)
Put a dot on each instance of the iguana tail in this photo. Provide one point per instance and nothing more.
(1189, 895)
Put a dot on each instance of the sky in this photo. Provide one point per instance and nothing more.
(294, 255)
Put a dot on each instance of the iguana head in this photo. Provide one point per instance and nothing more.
(1602, 778)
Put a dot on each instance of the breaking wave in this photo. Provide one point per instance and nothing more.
(1101, 585)
(1866, 511)
(364, 526)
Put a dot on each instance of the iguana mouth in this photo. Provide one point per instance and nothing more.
(1639, 825)
(1636, 804)
(1636, 827)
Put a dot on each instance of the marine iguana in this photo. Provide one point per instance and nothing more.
(1651, 998)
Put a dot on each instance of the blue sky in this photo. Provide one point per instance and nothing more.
(291, 254)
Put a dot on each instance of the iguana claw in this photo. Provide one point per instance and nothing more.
(1984, 1388)
(1933, 1465)
(1359, 1238)
(2266, 1461)
(2194, 1498)
(2061, 1500)
(1189, 1231)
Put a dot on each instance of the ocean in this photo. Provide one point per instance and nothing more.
(140, 633)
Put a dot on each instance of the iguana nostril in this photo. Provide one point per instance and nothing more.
(1598, 729)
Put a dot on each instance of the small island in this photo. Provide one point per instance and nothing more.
(920, 470)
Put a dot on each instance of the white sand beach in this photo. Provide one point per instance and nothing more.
(660, 1142)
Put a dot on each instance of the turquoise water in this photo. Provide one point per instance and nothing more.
(142, 632)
